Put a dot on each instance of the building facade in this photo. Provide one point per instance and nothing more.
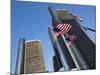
(34, 62)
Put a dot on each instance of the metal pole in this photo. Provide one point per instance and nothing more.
(76, 56)
(54, 40)
(88, 35)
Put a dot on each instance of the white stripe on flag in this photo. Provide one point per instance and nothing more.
(64, 28)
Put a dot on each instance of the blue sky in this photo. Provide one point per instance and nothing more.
(30, 20)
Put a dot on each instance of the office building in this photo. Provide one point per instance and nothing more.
(82, 53)
(31, 57)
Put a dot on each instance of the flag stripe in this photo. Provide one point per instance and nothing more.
(69, 28)
(64, 28)
(73, 37)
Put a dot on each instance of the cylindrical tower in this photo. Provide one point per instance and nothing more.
(20, 57)
(82, 50)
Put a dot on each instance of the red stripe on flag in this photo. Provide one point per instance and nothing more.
(64, 28)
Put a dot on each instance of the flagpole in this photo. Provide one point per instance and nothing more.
(62, 57)
(76, 56)
(88, 35)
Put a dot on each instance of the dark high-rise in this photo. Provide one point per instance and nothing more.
(81, 54)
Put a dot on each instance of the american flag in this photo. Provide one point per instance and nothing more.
(72, 39)
(78, 17)
(61, 29)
